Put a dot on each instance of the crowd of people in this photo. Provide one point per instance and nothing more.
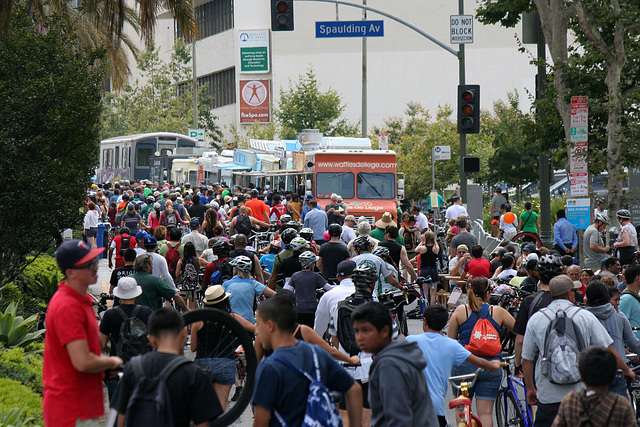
(172, 241)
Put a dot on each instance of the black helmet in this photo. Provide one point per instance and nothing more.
(363, 242)
(549, 266)
(623, 213)
(125, 230)
(335, 230)
(381, 251)
(364, 276)
(221, 247)
(288, 235)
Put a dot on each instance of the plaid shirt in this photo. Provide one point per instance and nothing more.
(586, 408)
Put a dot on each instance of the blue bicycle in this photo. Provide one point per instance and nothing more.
(510, 410)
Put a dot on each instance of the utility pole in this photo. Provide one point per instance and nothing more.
(195, 86)
(364, 76)
(463, 137)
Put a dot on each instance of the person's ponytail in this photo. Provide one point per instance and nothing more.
(477, 289)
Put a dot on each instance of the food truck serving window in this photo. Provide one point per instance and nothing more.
(334, 182)
(376, 185)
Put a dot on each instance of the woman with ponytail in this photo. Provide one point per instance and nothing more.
(154, 217)
(462, 323)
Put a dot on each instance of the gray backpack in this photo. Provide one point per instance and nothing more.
(563, 343)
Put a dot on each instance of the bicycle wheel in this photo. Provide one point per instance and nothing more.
(508, 413)
(224, 336)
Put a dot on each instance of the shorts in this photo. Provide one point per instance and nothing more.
(220, 370)
(91, 232)
(365, 397)
(486, 387)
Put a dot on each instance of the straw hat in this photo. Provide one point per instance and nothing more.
(386, 221)
(215, 294)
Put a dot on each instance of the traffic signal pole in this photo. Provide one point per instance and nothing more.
(463, 136)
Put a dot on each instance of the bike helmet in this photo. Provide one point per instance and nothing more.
(381, 251)
(623, 213)
(335, 230)
(363, 242)
(288, 235)
(215, 205)
(549, 266)
(284, 219)
(275, 243)
(242, 263)
(150, 199)
(602, 218)
(221, 247)
(125, 230)
(298, 244)
(306, 258)
(364, 276)
(294, 224)
(306, 233)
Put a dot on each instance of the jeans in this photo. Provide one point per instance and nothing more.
(546, 414)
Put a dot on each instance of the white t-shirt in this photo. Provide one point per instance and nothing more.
(454, 211)
(422, 222)
(381, 268)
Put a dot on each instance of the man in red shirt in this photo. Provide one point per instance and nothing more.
(116, 245)
(73, 363)
(278, 208)
(478, 266)
(259, 208)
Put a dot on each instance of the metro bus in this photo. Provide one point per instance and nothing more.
(129, 157)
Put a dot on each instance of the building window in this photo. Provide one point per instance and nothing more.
(221, 87)
(212, 17)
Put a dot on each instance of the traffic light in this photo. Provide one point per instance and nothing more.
(468, 109)
(281, 15)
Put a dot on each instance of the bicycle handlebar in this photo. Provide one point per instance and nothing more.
(463, 378)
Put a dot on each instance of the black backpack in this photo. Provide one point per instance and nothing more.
(125, 243)
(133, 335)
(243, 225)
(344, 325)
(150, 404)
(223, 272)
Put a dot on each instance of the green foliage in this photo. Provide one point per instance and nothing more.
(15, 395)
(10, 293)
(162, 102)
(16, 331)
(13, 418)
(21, 366)
(49, 113)
(42, 264)
(304, 106)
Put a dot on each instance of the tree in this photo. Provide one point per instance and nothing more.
(163, 103)
(49, 123)
(304, 106)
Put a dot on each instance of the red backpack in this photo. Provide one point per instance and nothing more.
(485, 339)
(173, 256)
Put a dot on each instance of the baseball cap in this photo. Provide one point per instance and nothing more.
(562, 284)
(502, 252)
(462, 248)
(529, 247)
(350, 218)
(127, 288)
(345, 268)
(309, 197)
(195, 223)
(150, 241)
(140, 235)
(75, 252)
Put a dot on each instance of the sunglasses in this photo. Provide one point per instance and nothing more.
(87, 265)
(462, 252)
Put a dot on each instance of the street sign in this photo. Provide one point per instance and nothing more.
(579, 212)
(579, 184)
(578, 166)
(331, 29)
(196, 134)
(461, 29)
(254, 51)
(383, 141)
(441, 152)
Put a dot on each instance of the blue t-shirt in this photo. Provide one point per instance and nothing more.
(630, 307)
(281, 389)
(268, 261)
(442, 354)
(243, 294)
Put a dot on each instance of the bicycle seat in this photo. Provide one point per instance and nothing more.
(461, 400)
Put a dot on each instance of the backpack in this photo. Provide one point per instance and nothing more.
(173, 256)
(125, 243)
(563, 343)
(170, 220)
(344, 325)
(133, 335)
(321, 409)
(484, 339)
(243, 225)
(119, 215)
(224, 272)
(150, 403)
(409, 240)
(190, 276)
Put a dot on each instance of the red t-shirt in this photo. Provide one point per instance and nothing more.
(278, 210)
(118, 241)
(68, 393)
(259, 208)
(478, 267)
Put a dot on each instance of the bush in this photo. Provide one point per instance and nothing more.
(13, 394)
(25, 368)
(44, 263)
(10, 293)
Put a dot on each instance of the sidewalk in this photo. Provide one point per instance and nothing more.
(104, 275)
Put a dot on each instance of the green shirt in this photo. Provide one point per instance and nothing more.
(164, 248)
(529, 219)
(153, 288)
(378, 234)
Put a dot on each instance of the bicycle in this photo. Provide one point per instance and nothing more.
(462, 403)
(633, 389)
(228, 340)
(509, 409)
(395, 301)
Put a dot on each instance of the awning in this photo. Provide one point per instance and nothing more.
(279, 172)
(232, 166)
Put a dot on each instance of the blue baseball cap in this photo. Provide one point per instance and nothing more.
(195, 223)
(150, 241)
(140, 235)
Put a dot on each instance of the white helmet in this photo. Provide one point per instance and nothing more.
(298, 244)
(242, 263)
(306, 258)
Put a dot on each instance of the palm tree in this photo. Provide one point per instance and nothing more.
(99, 24)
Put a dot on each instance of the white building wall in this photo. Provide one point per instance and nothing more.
(403, 66)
